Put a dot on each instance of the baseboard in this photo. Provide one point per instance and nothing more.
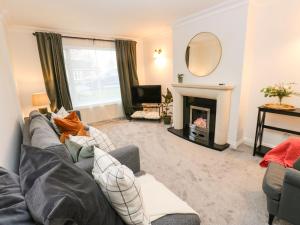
(236, 144)
(250, 142)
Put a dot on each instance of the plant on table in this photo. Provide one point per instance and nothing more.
(168, 99)
(280, 90)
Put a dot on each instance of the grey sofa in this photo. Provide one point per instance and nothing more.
(282, 188)
(38, 132)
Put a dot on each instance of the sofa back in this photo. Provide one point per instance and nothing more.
(38, 132)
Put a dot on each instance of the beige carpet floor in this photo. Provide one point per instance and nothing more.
(223, 187)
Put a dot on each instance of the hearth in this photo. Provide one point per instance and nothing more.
(199, 122)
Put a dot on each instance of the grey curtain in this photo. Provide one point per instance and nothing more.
(53, 66)
(127, 68)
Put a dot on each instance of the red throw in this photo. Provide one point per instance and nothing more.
(285, 153)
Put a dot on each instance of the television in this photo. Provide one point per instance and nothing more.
(146, 94)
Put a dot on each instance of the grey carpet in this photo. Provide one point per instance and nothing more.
(223, 187)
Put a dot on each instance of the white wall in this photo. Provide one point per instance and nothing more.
(10, 116)
(158, 72)
(228, 23)
(28, 72)
(272, 56)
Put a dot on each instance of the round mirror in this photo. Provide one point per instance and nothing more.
(203, 54)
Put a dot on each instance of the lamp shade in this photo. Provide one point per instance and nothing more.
(40, 99)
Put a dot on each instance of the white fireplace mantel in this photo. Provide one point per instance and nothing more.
(221, 93)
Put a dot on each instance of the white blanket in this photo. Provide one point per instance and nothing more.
(159, 200)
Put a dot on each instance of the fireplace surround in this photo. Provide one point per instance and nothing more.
(214, 104)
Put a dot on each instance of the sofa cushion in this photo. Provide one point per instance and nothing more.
(13, 209)
(79, 152)
(58, 192)
(273, 180)
(43, 136)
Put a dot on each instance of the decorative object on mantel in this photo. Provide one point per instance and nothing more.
(281, 91)
(180, 77)
(168, 99)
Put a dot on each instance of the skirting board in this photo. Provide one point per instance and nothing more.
(250, 142)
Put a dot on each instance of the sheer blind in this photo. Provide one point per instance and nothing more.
(92, 73)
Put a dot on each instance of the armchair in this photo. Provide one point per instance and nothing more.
(282, 188)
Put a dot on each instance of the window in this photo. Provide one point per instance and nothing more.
(92, 73)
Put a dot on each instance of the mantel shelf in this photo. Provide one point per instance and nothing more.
(203, 86)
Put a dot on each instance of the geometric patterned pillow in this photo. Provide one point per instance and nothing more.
(102, 161)
(102, 140)
(120, 187)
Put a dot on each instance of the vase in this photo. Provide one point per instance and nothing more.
(180, 79)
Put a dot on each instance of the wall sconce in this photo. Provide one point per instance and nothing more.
(159, 58)
(157, 53)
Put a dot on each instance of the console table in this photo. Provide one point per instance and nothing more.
(260, 149)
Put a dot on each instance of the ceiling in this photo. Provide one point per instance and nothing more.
(132, 18)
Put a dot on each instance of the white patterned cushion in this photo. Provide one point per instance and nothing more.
(84, 141)
(102, 161)
(102, 140)
(120, 187)
(62, 113)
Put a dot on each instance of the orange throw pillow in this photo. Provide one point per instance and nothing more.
(70, 125)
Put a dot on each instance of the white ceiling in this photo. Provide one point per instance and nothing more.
(133, 18)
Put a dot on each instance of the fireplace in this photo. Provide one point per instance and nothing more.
(217, 99)
(199, 119)
(199, 122)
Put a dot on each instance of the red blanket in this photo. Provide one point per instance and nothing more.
(285, 153)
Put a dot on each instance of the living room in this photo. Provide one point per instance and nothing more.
(204, 135)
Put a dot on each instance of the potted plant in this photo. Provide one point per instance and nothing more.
(180, 77)
(168, 99)
(281, 90)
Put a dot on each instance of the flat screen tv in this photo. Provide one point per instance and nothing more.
(146, 94)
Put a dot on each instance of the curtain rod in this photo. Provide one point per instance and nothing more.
(84, 38)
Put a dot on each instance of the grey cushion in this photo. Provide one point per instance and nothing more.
(57, 192)
(178, 219)
(13, 209)
(79, 152)
(273, 180)
(86, 164)
(43, 136)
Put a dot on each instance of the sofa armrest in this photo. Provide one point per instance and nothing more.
(128, 156)
(290, 197)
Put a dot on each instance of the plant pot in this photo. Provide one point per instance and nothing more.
(167, 120)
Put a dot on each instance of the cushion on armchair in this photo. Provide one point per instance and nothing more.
(273, 180)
